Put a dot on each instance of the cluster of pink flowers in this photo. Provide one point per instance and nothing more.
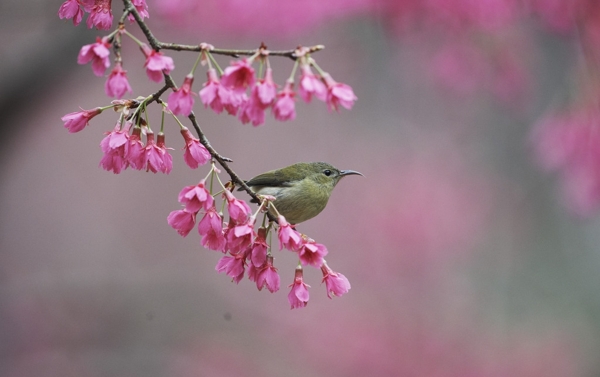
(245, 249)
(569, 143)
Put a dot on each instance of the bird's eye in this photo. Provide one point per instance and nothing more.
(327, 172)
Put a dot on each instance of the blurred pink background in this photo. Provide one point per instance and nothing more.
(463, 258)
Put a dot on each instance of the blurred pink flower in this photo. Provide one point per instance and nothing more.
(232, 265)
(312, 253)
(156, 63)
(196, 197)
(239, 211)
(194, 152)
(117, 84)
(141, 7)
(114, 146)
(570, 143)
(239, 75)
(311, 84)
(181, 101)
(459, 67)
(336, 283)
(71, 9)
(135, 153)
(157, 156)
(182, 221)
(210, 228)
(259, 248)
(100, 15)
(75, 122)
(288, 237)
(267, 276)
(338, 94)
(298, 296)
(284, 107)
(98, 53)
(252, 111)
(240, 237)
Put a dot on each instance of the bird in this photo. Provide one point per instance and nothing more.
(301, 190)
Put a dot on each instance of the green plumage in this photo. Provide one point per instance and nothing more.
(301, 190)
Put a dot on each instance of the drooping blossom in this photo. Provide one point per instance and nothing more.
(182, 221)
(135, 153)
(239, 211)
(284, 107)
(252, 111)
(298, 296)
(114, 146)
(156, 63)
(336, 283)
(312, 253)
(239, 75)
(338, 94)
(210, 227)
(194, 153)
(117, 84)
(288, 237)
(100, 15)
(181, 101)
(264, 90)
(311, 85)
(215, 95)
(267, 276)
(98, 53)
(142, 9)
(259, 248)
(157, 156)
(240, 237)
(75, 122)
(232, 265)
(71, 9)
(196, 197)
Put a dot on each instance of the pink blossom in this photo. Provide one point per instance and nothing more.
(239, 211)
(157, 156)
(311, 84)
(194, 153)
(298, 296)
(156, 64)
(259, 248)
(142, 9)
(239, 75)
(210, 228)
(264, 90)
(100, 15)
(284, 107)
(182, 221)
(267, 276)
(98, 53)
(214, 94)
(113, 146)
(233, 265)
(181, 101)
(252, 111)
(240, 237)
(75, 122)
(336, 283)
(338, 94)
(117, 84)
(196, 197)
(71, 9)
(288, 237)
(312, 253)
(135, 153)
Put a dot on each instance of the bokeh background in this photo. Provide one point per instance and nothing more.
(466, 256)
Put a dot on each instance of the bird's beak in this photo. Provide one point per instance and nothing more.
(344, 173)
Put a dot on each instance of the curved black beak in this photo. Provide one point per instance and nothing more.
(344, 173)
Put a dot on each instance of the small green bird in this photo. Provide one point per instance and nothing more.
(301, 190)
